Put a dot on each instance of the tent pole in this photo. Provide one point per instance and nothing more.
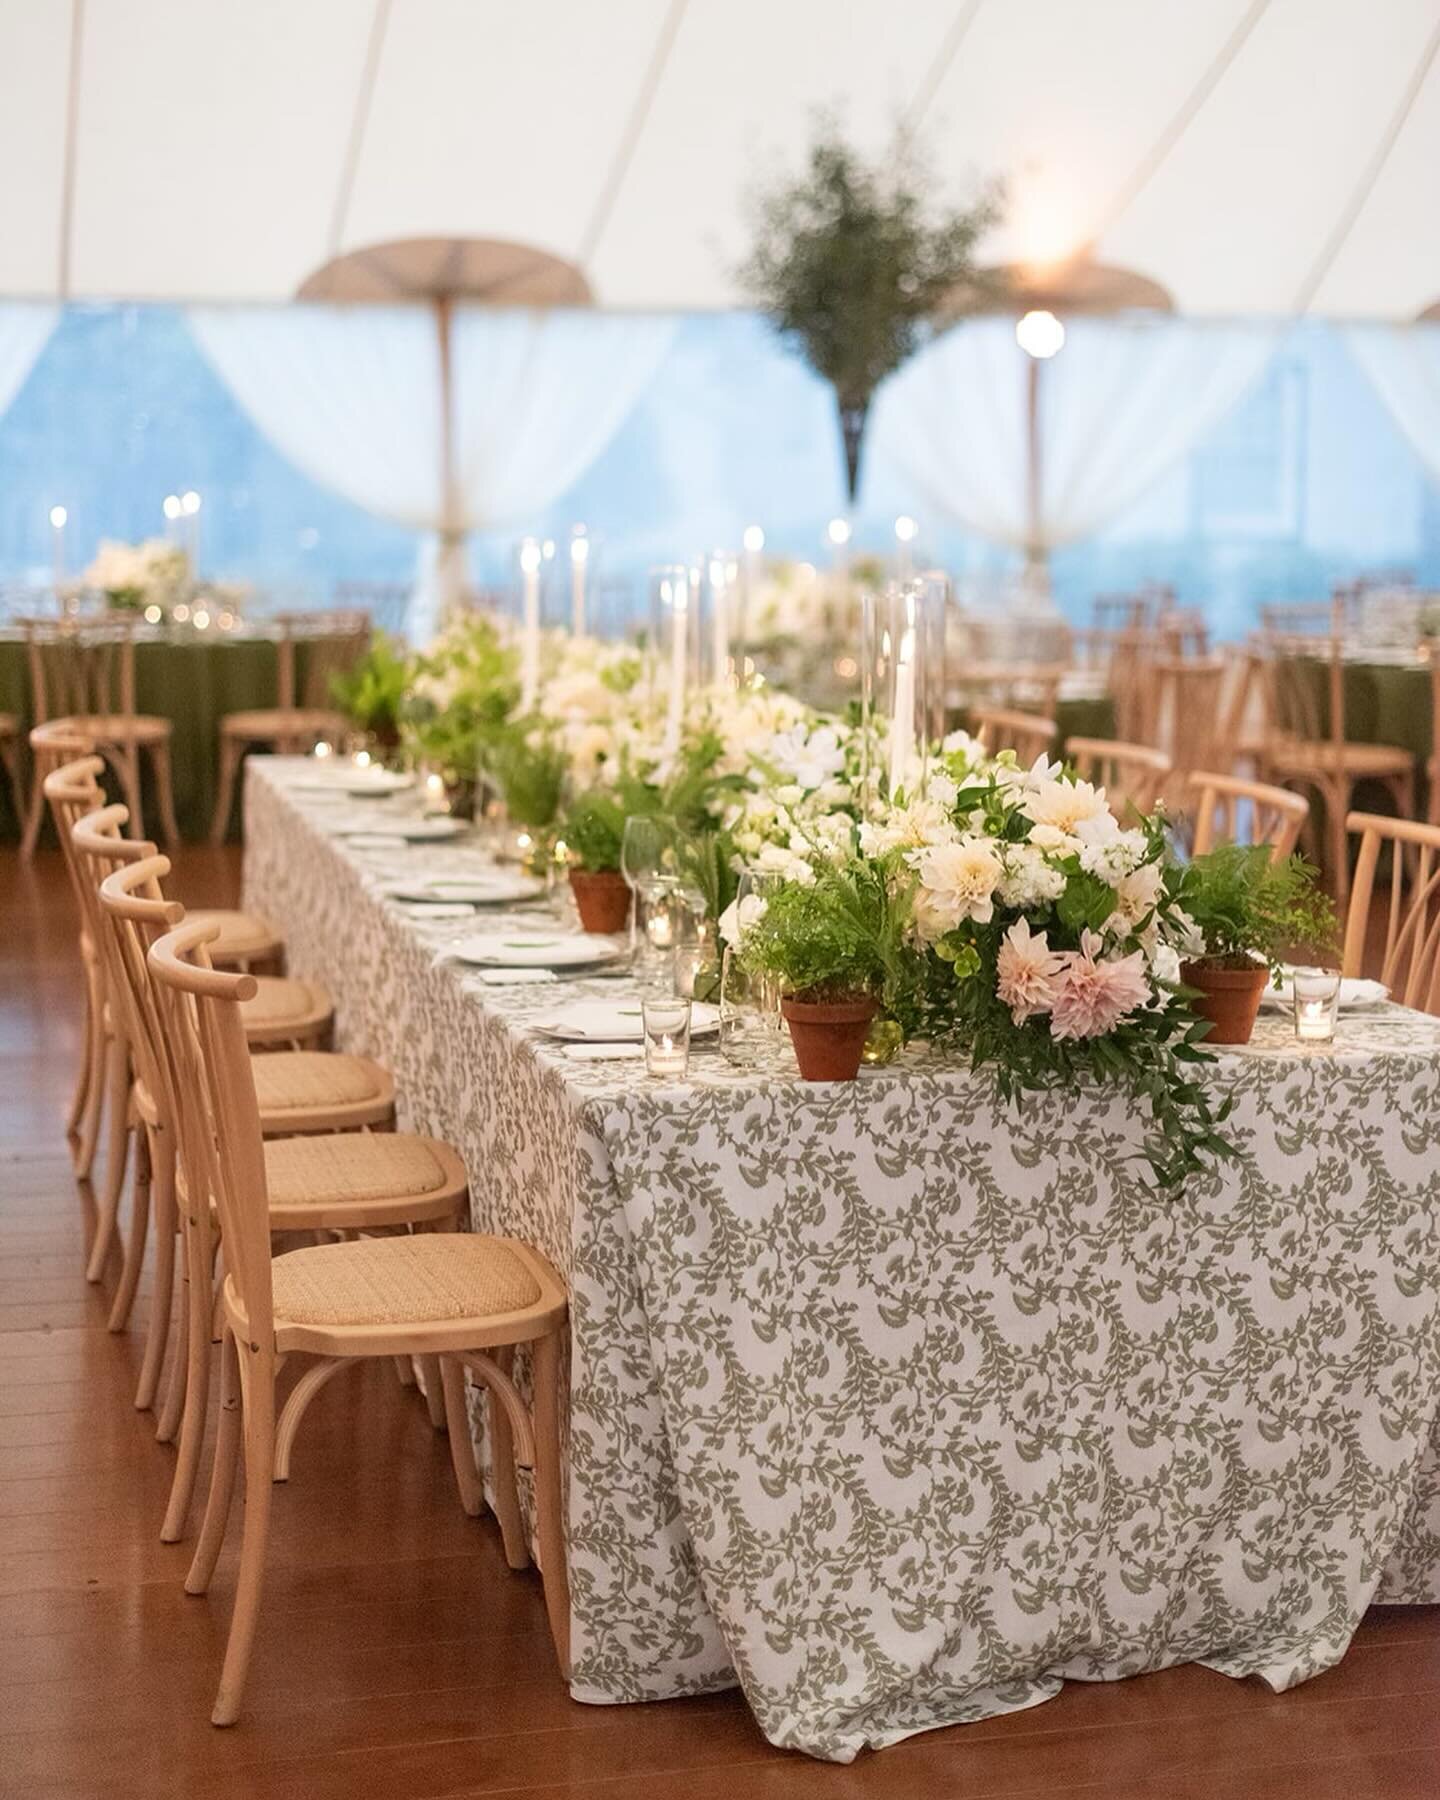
(1036, 560)
(452, 535)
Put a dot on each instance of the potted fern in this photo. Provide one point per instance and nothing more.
(1251, 912)
(833, 945)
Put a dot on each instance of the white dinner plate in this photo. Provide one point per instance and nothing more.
(414, 831)
(614, 1022)
(1355, 994)
(470, 890)
(534, 949)
(360, 784)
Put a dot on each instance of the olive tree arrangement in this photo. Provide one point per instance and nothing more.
(852, 260)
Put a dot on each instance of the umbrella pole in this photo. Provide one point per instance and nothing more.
(1036, 558)
(452, 531)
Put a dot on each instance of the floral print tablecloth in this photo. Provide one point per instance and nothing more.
(901, 1405)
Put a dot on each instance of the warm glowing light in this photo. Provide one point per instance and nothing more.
(547, 549)
(153, 615)
(173, 508)
(906, 529)
(529, 556)
(190, 502)
(846, 667)
(838, 532)
(58, 516)
(226, 621)
(361, 759)
(181, 613)
(322, 750)
(579, 545)
(754, 539)
(1040, 334)
(201, 621)
(435, 784)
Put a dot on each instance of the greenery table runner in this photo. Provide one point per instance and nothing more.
(901, 1405)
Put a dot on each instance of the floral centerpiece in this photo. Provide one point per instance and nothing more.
(133, 577)
(1039, 936)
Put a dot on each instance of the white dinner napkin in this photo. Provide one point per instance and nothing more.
(605, 1052)
(437, 909)
(516, 977)
(375, 840)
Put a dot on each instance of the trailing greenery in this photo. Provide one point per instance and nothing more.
(463, 694)
(1249, 907)
(852, 260)
(372, 694)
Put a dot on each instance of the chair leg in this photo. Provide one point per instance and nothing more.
(82, 1075)
(165, 794)
(502, 1471)
(1337, 804)
(157, 1335)
(462, 1448)
(434, 1396)
(139, 1234)
(195, 1386)
(117, 1143)
(34, 818)
(230, 752)
(222, 1472)
(549, 1495)
(257, 1386)
(296, 1405)
(128, 768)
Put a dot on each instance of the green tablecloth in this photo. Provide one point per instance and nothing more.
(192, 681)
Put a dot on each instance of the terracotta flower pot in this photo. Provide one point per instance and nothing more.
(829, 1035)
(603, 899)
(1228, 998)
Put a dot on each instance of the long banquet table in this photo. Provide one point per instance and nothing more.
(900, 1405)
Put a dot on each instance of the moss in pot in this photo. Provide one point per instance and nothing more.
(829, 944)
(1251, 911)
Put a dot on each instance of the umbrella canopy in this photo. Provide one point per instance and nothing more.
(1244, 156)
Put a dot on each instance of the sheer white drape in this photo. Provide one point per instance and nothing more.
(1117, 406)
(1403, 364)
(352, 395)
(25, 329)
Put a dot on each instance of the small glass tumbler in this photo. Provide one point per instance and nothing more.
(1317, 1000)
(667, 1037)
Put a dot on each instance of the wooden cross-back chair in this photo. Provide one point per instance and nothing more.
(71, 788)
(406, 1180)
(1133, 775)
(1029, 735)
(468, 1299)
(1305, 741)
(82, 680)
(1410, 952)
(1188, 713)
(1229, 810)
(311, 649)
(1009, 687)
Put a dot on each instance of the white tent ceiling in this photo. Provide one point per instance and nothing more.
(1249, 155)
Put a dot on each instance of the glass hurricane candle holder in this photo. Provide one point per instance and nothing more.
(1317, 1000)
(667, 1037)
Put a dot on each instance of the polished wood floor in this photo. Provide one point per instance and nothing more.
(398, 1659)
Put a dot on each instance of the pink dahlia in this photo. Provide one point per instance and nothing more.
(1093, 995)
(1026, 969)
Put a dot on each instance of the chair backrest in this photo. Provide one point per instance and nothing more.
(314, 646)
(1304, 675)
(71, 790)
(217, 1117)
(1410, 962)
(134, 914)
(79, 667)
(1131, 774)
(1028, 734)
(1184, 631)
(1188, 713)
(1227, 810)
(99, 845)
(1121, 612)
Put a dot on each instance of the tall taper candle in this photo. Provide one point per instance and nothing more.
(530, 625)
(58, 516)
(579, 556)
(679, 633)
